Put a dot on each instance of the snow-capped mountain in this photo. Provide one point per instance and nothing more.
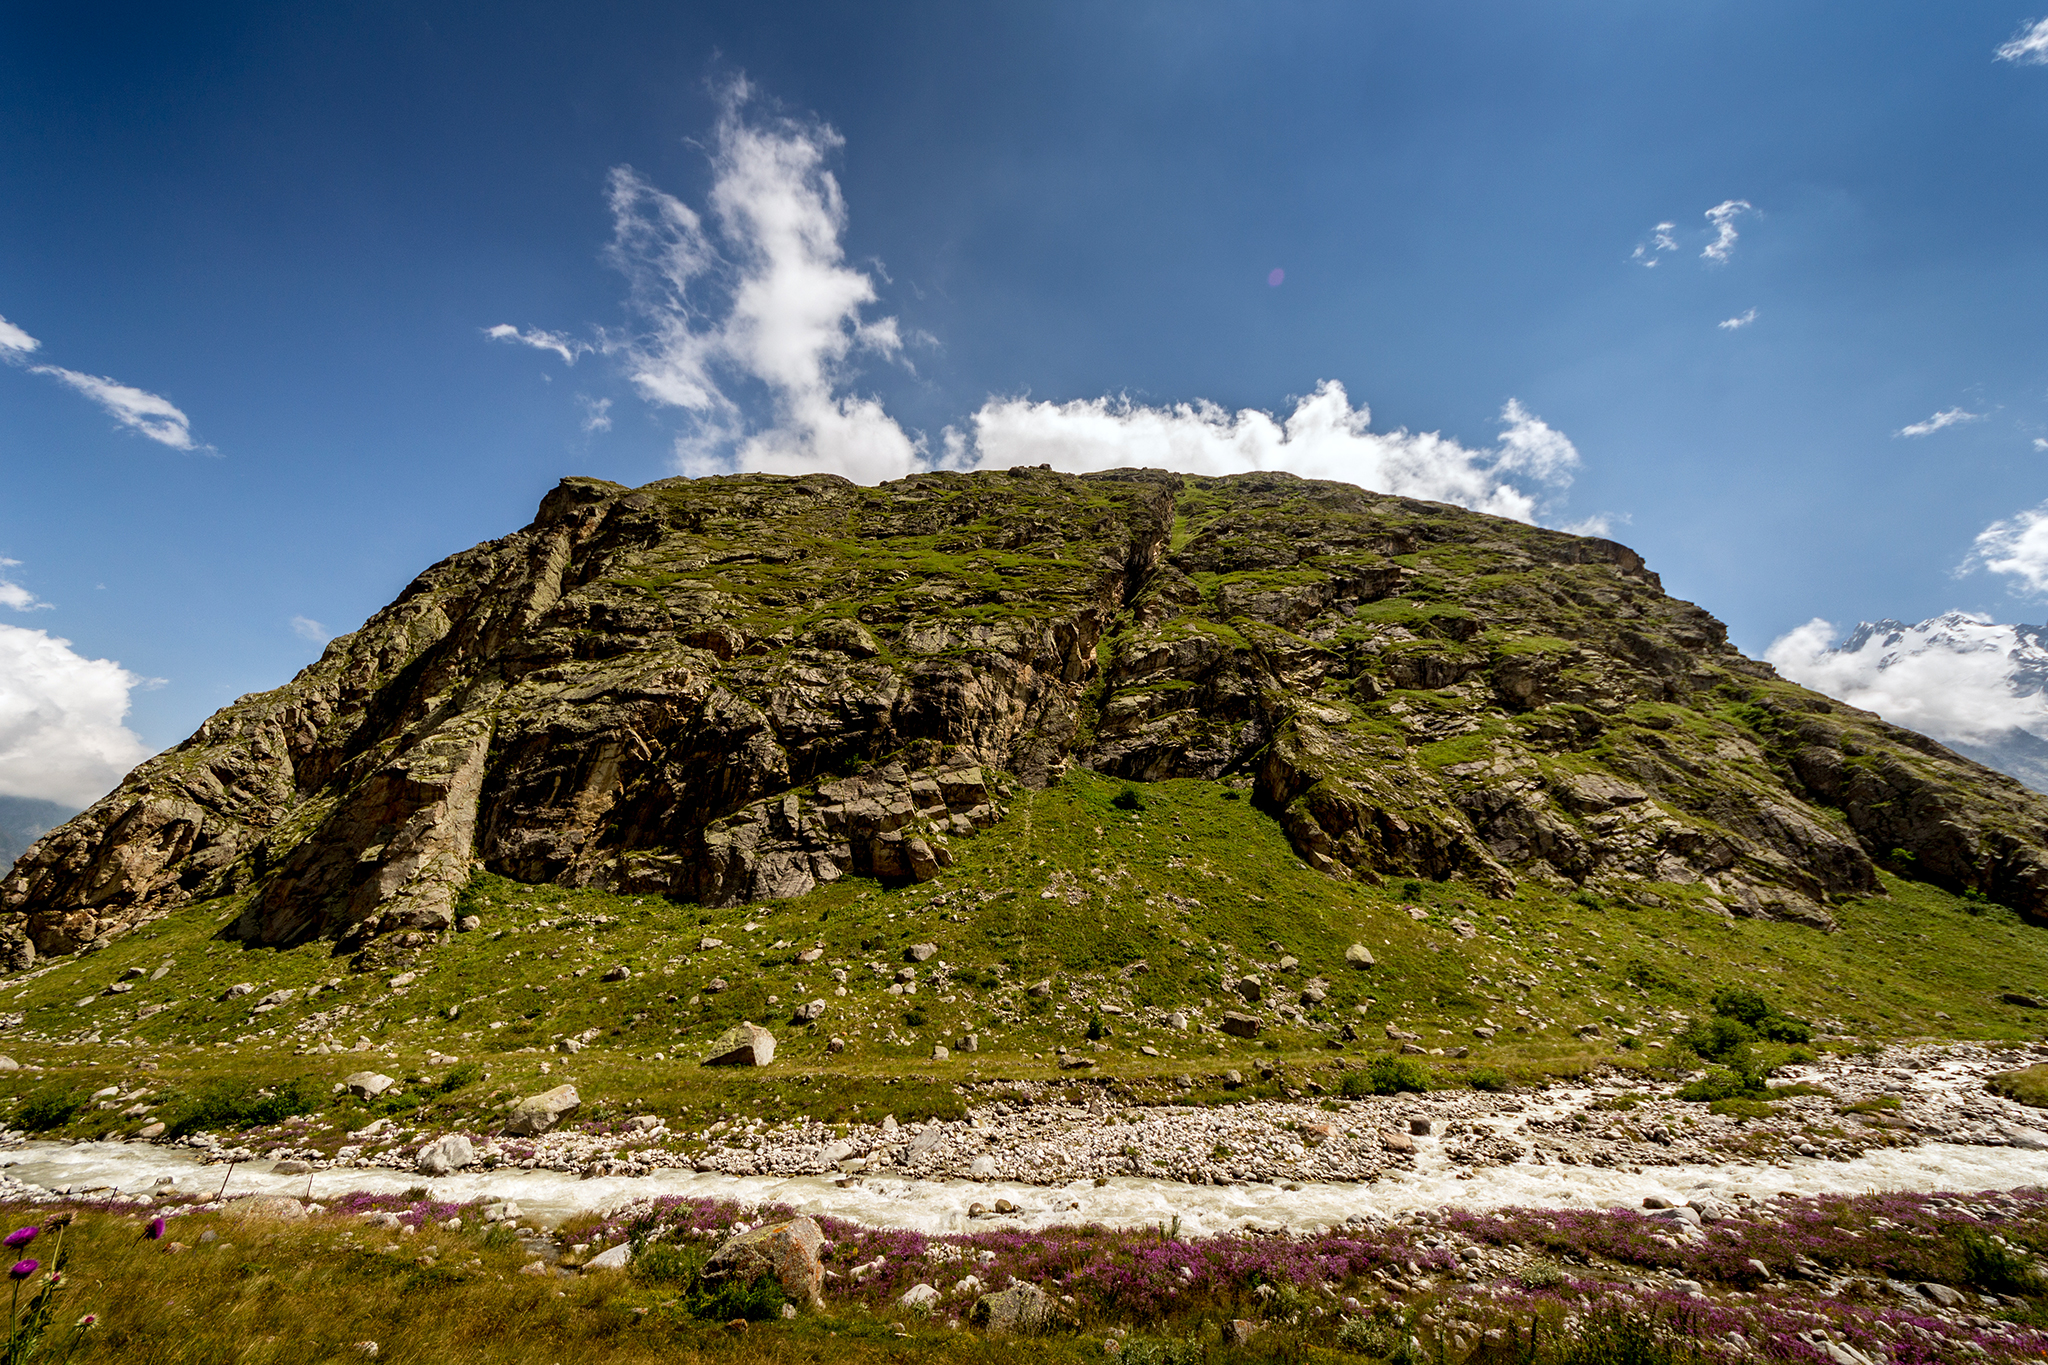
(1978, 686)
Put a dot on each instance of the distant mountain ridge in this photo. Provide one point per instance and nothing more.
(23, 820)
(1977, 685)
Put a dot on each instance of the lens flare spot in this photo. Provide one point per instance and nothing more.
(1275, 278)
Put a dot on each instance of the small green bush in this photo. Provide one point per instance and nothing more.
(51, 1107)
(914, 1018)
(1386, 1074)
(1128, 799)
(240, 1104)
(666, 1263)
(1995, 1268)
(1490, 1078)
(1097, 1030)
(1726, 1083)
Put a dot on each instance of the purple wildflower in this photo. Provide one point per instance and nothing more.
(23, 1269)
(155, 1228)
(21, 1237)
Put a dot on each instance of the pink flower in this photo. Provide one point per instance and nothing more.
(155, 1229)
(23, 1269)
(20, 1238)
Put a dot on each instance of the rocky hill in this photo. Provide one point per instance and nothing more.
(733, 689)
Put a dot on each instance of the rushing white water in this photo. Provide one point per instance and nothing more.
(942, 1205)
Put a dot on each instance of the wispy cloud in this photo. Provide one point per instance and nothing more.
(2016, 546)
(2028, 47)
(306, 628)
(561, 344)
(13, 595)
(1948, 417)
(1722, 216)
(61, 732)
(1732, 324)
(14, 342)
(151, 414)
(1660, 241)
(597, 413)
(753, 298)
(2041, 443)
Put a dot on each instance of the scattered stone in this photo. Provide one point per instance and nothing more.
(536, 1114)
(402, 980)
(788, 1251)
(920, 952)
(2025, 1002)
(9, 1064)
(239, 988)
(1359, 956)
(278, 1208)
(918, 1296)
(1397, 1142)
(810, 955)
(982, 1168)
(468, 924)
(292, 1166)
(1419, 1127)
(1177, 1020)
(274, 999)
(714, 985)
(619, 973)
(1041, 990)
(616, 1258)
(150, 1130)
(743, 1044)
(940, 1052)
(1941, 1294)
(1249, 988)
(808, 1013)
(1240, 1025)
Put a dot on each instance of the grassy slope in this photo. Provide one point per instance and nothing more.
(1197, 885)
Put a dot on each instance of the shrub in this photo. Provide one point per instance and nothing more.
(1128, 799)
(1998, 1269)
(1727, 1083)
(240, 1104)
(914, 1018)
(1386, 1074)
(1489, 1078)
(666, 1263)
(1718, 1039)
(1097, 1030)
(51, 1107)
(468, 1073)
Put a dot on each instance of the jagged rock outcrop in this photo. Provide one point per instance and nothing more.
(737, 688)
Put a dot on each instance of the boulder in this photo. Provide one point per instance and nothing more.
(444, 1154)
(743, 1044)
(277, 1208)
(809, 1013)
(1249, 987)
(1359, 956)
(367, 1085)
(788, 1251)
(292, 1166)
(1019, 1310)
(918, 1296)
(920, 952)
(619, 973)
(1240, 1025)
(536, 1114)
(1397, 1142)
(616, 1258)
(982, 1168)
(1941, 1294)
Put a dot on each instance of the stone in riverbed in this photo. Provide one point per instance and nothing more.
(444, 1154)
(536, 1114)
(743, 1044)
(788, 1251)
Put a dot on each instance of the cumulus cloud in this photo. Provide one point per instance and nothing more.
(2016, 546)
(561, 344)
(1325, 437)
(1740, 321)
(61, 736)
(1722, 216)
(1947, 418)
(1958, 677)
(749, 320)
(2028, 47)
(306, 628)
(15, 342)
(154, 416)
(1661, 240)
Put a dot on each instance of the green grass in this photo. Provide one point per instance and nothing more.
(1070, 888)
(2028, 1085)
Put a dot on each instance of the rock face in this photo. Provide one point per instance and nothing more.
(734, 688)
(788, 1251)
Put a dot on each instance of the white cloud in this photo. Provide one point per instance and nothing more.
(754, 296)
(14, 342)
(2028, 47)
(1948, 417)
(1661, 240)
(1957, 677)
(597, 413)
(306, 628)
(1731, 324)
(1723, 216)
(1323, 438)
(148, 413)
(2016, 546)
(562, 345)
(2041, 443)
(61, 736)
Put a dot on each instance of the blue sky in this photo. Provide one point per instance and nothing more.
(292, 226)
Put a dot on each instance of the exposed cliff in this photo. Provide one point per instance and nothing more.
(735, 688)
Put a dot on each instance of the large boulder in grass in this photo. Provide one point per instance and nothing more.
(743, 1044)
(788, 1251)
(272, 1208)
(536, 1114)
(1020, 1310)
